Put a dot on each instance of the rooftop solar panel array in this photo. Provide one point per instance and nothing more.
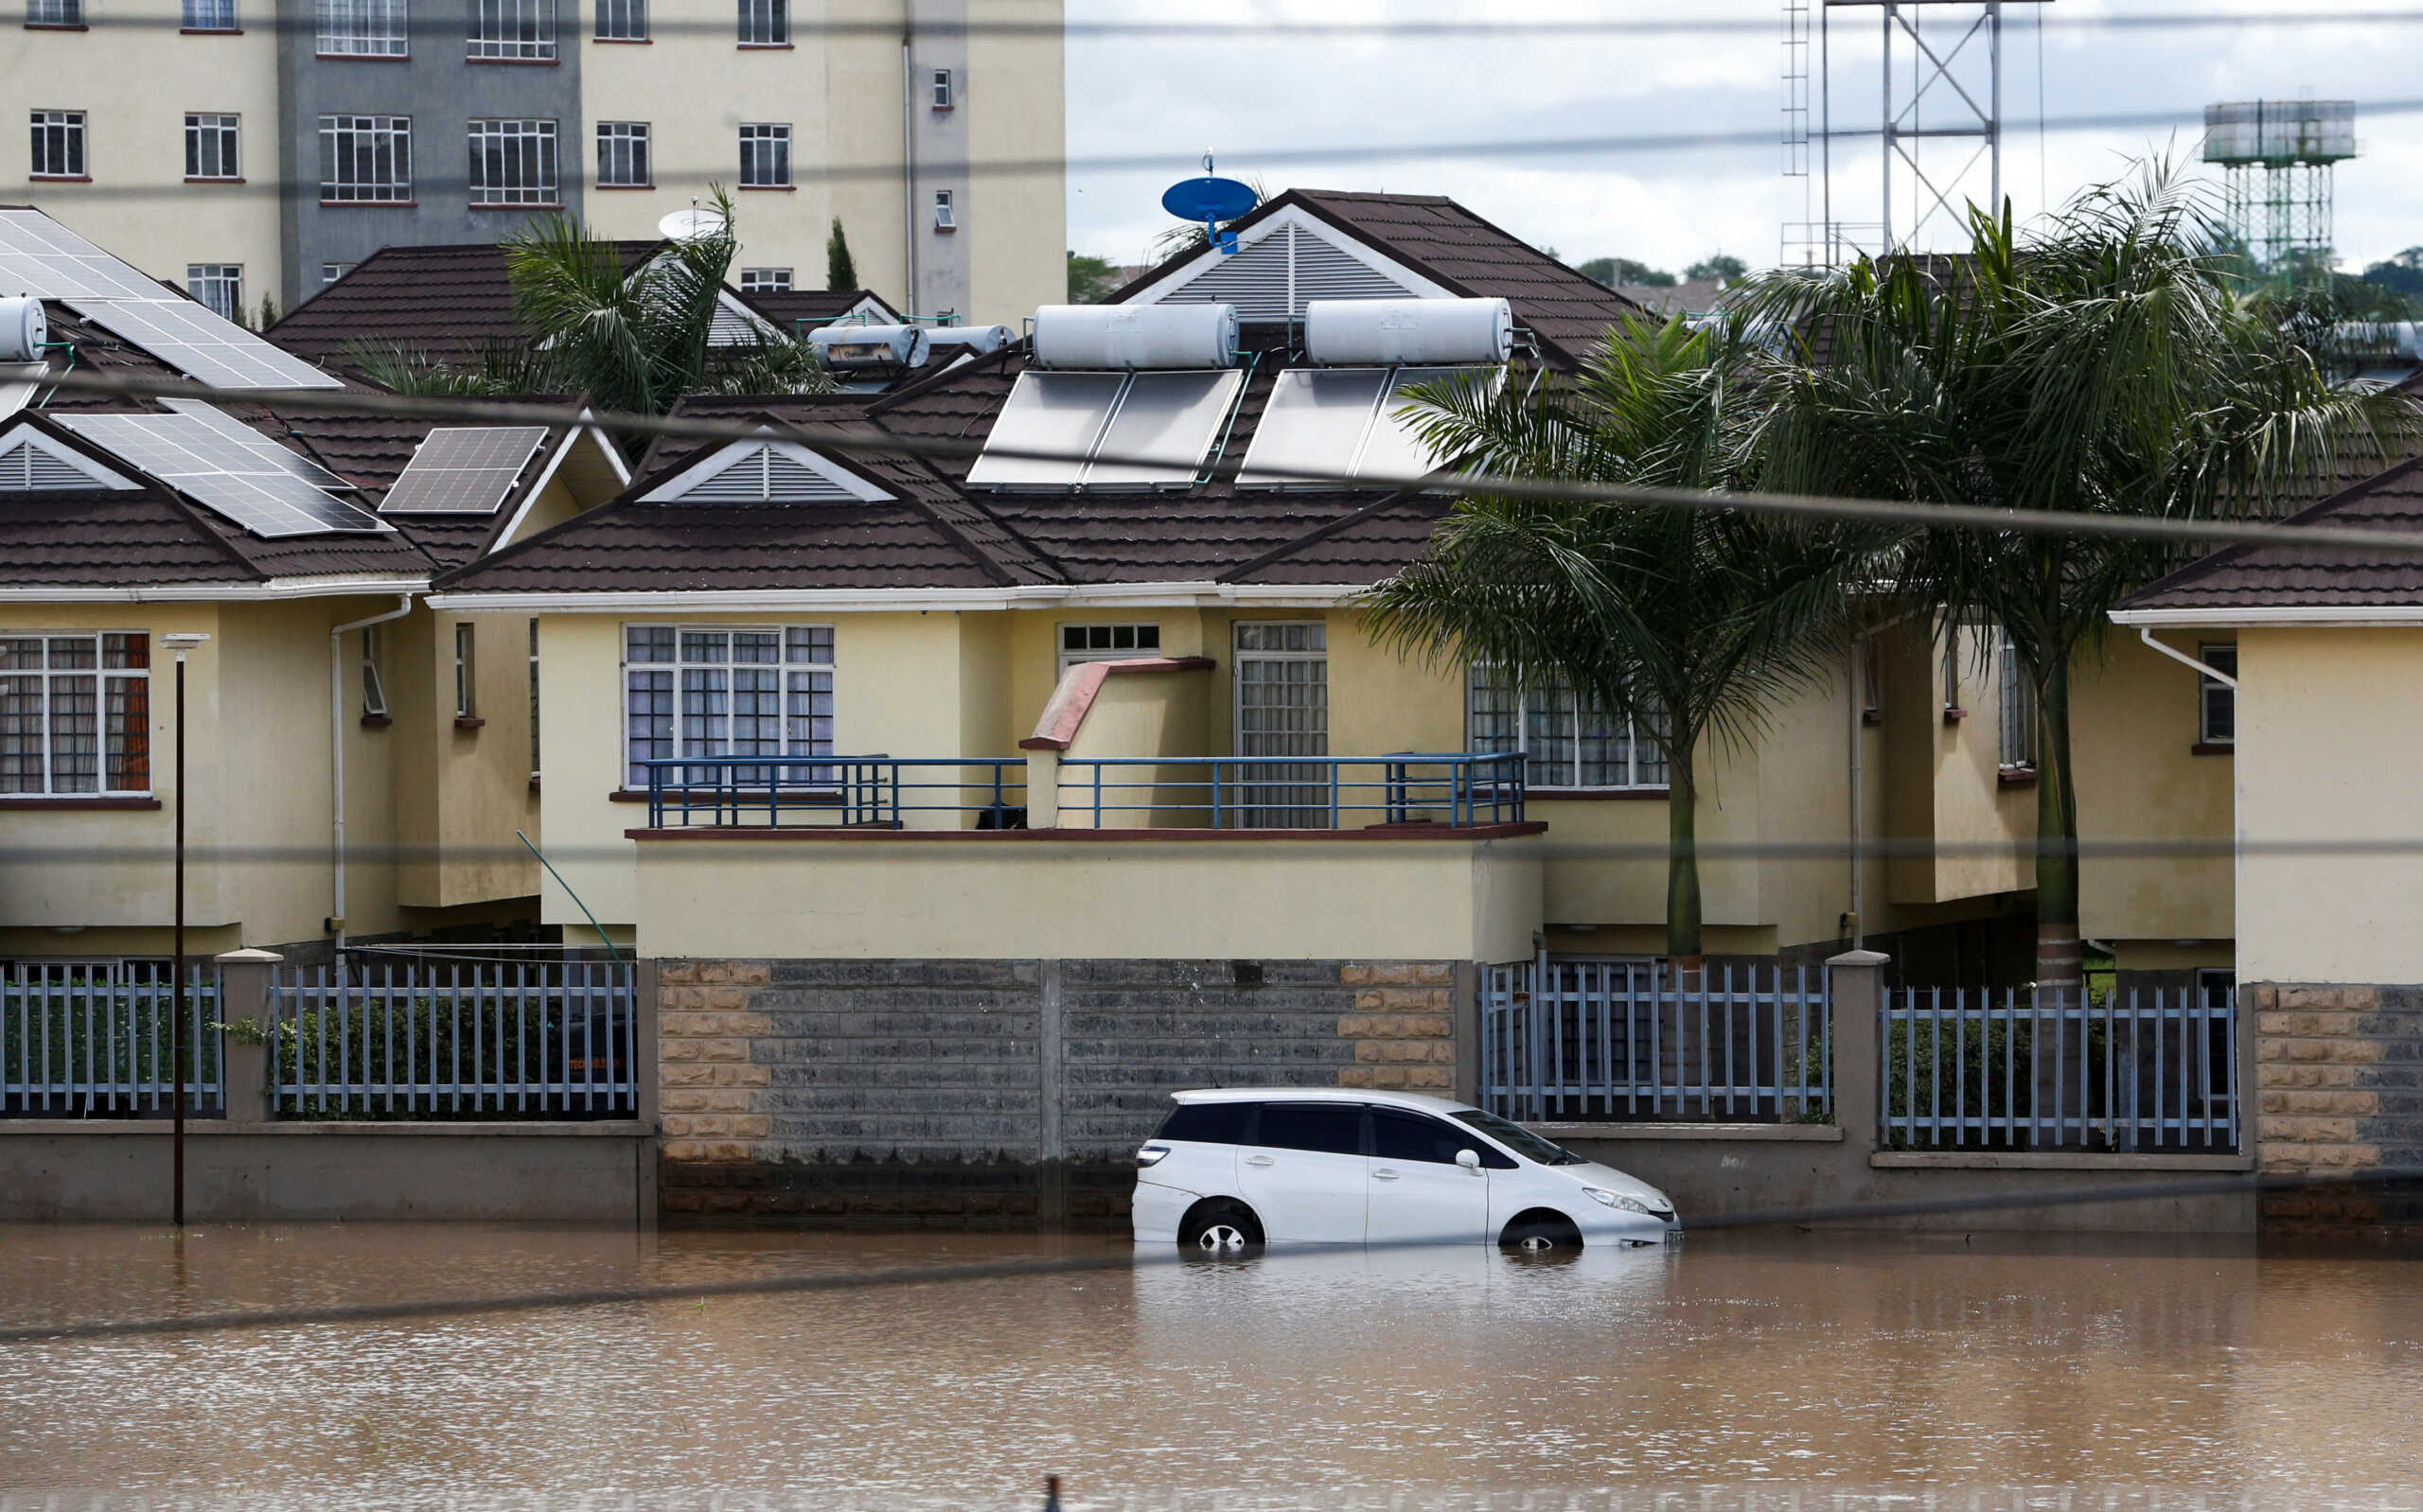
(42, 257)
(1147, 428)
(1343, 422)
(463, 470)
(265, 494)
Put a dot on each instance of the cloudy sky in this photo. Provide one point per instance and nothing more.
(1400, 106)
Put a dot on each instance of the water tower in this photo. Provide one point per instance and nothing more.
(2278, 154)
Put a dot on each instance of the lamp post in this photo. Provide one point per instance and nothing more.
(180, 643)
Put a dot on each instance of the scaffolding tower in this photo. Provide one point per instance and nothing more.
(2277, 157)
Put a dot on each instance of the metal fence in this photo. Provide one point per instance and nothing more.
(90, 1039)
(1455, 788)
(1586, 1040)
(421, 1039)
(873, 791)
(2051, 1069)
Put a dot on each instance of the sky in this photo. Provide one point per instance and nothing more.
(1410, 102)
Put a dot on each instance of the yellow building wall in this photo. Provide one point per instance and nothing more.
(134, 83)
(2134, 724)
(1018, 222)
(2328, 725)
(466, 787)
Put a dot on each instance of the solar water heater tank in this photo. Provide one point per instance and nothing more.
(850, 347)
(976, 340)
(1103, 338)
(1425, 332)
(23, 329)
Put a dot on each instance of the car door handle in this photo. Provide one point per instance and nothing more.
(1257, 1160)
(1384, 1175)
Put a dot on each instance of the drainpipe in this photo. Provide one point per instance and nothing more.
(2147, 635)
(908, 146)
(1857, 702)
(336, 755)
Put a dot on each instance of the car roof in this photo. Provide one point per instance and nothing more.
(1421, 1100)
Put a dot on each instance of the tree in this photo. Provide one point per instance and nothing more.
(1091, 278)
(1614, 270)
(1689, 624)
(2102, 365)
(841, 272)
(2401, 274)
(1718, 268)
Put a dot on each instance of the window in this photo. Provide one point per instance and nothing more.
(517, 30)
(943, 100)
(1409, 1137)
(2018, 750)
(765, 22)
(59, 145)
(76, 713)
(622, 156)
(534, 700)
(946, 219)
(513, 163)
(373, 688)
(764, 156)
(210, 15)
(765, 280)
(365, 159)
(466, 670)
(1565, 741)
(622, 20)
(364, 28)
(1107, 643)
(726, 691)
(1208, 1123)
(54, 12)
(2216, 709)
(331, 271)
(1325, 1128)
(210, 146)
(218, 286)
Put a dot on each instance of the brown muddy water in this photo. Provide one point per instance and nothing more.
(2137, 1373)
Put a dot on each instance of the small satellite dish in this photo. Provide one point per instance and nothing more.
(689, 225)
(1210, 201)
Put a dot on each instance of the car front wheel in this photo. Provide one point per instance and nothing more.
(1541, 1234)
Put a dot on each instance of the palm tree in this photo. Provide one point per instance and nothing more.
(1684, 623)
(2103, 364)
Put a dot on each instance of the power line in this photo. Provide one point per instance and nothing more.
(858, 441)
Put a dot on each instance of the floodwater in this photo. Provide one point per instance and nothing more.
(1737, 1368)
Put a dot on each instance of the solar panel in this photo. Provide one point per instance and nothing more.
(1315, 421)
(40, 257)
(1395, 447)
(200, 345)
(1168, 417)
(463, 470)
(240, 481)
(1047, 412)
(244, 436)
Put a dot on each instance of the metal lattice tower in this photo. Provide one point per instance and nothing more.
(2278, 157)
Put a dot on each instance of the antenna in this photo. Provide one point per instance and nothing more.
(689, 225)
(1210, 200)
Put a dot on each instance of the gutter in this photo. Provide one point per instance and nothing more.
(756, 601)
(293, 587)
(336, 760)
(2291, 616)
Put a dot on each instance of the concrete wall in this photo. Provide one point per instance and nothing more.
(2340, 1089)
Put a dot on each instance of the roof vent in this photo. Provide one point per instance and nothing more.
(23, 330)
(1433, 332)
(1107, 338)
(853, 347)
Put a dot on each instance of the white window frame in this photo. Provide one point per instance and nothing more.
(765, 23)
(1100, 642)
(345, 139)
(622, 20)
(517, 31)
(1634, 762)
(625, 155)
(331, 271)
(765, 280)
(772, 142)
(534, 700)
(514, 165)
(214, 147)
(364, 28)
(54, 12)
(374, 686)
(61, 148)
(946, 211)
(945, 92)
(466, 670)
(43, 740)
(2015, 727)
(2222, 655)
(219, 287)
(705, 731)
(210, 15)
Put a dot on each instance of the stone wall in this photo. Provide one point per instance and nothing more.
(976, 1093)
(2338, 1087)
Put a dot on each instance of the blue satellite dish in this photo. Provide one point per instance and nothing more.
(1208, 199)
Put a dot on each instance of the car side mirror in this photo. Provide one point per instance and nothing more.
(1469, 1158)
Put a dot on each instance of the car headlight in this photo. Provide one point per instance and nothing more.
(1628, 1204)
(1152, 1155)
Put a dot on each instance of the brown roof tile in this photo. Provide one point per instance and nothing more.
(2300, 575)
(450, 303)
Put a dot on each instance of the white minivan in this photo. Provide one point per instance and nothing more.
(1239, 1167)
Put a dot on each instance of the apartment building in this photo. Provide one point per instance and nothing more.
(251, 149)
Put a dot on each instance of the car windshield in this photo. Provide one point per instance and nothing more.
(1519, 1139)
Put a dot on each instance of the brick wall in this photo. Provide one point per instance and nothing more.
(966, 1093)
(2338, 1087)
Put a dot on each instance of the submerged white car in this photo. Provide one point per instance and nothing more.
(1247, 1165)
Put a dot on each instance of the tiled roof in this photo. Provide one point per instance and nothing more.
(1369, 545)
(449, 304)
(797, 309)
(2300, 576)
(96, 350)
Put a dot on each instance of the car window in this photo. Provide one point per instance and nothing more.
(1333, 1128)
(1524, 1142)
(1411, 1136)
(1210, 1123)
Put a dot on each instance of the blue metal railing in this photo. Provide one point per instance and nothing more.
(1458, 789)
(865, 791)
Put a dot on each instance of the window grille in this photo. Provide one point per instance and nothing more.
(513, 163)
(518, 30)
(1107, 643)
(365, 159)
(2216, 709)
(59, 145)
(2018, 743)
(1564, 740)
(54, 12)
(76, 713)
(210, 15)
(622, 20)
(765, 155)
(765, 22)
(210, 146)
(623, 154)
(765, 280)
(725, 691)
(364, 28)
(218, 286)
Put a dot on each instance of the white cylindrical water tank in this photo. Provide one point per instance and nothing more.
(1422, 332)
(974, 340)
(23, 329)
(848, 346)
(1095, 337)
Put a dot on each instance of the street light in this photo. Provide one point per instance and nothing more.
(180, 642)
